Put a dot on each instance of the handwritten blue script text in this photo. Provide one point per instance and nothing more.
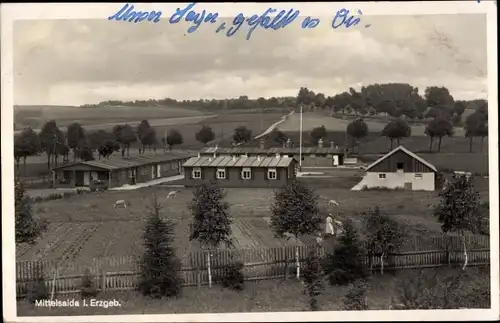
(127, 13)
(271, 18)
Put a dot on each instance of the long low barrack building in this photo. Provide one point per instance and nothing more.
(318, 156)
(118, 171)
(241, 171)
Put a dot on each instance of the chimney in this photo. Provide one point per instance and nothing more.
(262, 144)
(320, 143)
(332, 144)
(234, 157)
(289, 143)
(244, 156)
(215, 155)
(199, 155)
(258, 157)
(284, 144)
(278, 156)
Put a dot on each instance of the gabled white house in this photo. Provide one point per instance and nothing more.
(400, 168)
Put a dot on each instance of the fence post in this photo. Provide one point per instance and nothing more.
(103, 280)
(286, 263)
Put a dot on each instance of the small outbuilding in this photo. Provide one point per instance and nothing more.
(400, 169)
(241, 171)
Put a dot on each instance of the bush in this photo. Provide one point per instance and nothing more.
(345, 264)
(355, 298)
(313, 278)
(37, 289)
(88, 289)
(232, 276)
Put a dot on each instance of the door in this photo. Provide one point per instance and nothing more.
(408, 186)
(158, 171)
(79, 178)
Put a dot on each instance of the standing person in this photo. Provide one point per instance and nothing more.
(329, 225)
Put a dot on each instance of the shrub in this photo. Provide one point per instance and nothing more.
(355, 298)
(345, 264)
(88, 289)
(313, 278)
(232, 276)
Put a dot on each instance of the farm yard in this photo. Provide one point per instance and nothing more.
(86, 226)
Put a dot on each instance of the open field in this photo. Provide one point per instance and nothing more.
(261, 296)
(36, 116)
(312, 120)
(99, 230)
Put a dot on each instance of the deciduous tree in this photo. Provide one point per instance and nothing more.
(278, 136)
(211, 223)
(438, 128)
(459, 209)
(75, 136)
(318, 133)
(242, 135)
(48, 139)
(174, 138)
(395, 130)
(295, 213)
(357, 129)
(383, 234)
(205, 134)
(27, 226)
(26, 144)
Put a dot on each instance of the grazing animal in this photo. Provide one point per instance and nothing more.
(172, 194)
(120, 203)
(332, 203)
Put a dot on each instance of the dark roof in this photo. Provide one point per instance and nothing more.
(406, 151)
(229, 161)
(274, 150)
(132, 161)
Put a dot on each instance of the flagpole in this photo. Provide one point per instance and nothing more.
(300, 143)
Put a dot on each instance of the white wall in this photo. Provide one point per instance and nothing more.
(398, 180)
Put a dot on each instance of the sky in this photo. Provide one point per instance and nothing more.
(73, 62)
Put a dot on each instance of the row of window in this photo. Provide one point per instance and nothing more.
(246, 173)
(383, 176)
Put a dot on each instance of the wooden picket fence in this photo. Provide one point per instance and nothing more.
(108, 273)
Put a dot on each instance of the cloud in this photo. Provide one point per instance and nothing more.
(86, 61)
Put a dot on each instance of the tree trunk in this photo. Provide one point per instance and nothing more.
(482, 141)
(24, 165)
(297, 261)
(430, 146)
(391, 140)
(74, 155)
(382, 263)
(398, 140)
(209, 269)
(465, 253)
(470, 143)
(439, 144)
(48, 161)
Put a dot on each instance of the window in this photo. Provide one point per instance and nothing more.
(131, 173)
(272, 174)
(418, 176)
(196, 173)
(246, 173)
(221, 173)
(400, 166)
(143, 170)
(381, 176)
(175, 165)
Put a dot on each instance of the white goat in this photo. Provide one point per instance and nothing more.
(120, 203)
(172, 194)
(332, 203)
